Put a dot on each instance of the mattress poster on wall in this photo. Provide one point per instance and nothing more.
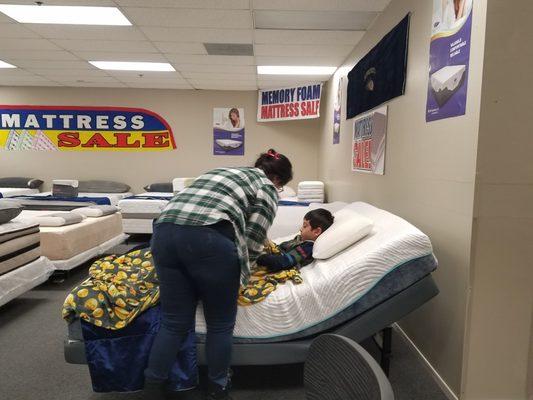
(289, 103)
(449, 56)
(228, 131)
(69, 128)
(368, 143)
(337, 113)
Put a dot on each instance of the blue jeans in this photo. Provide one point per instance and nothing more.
(195, 263)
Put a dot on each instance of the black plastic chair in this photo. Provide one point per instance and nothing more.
(337, 368)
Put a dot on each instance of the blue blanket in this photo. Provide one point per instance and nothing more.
(117, 359)
(94, 200)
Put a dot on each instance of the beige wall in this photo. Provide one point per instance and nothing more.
(189, 113)
(429, 178)
(502, 271)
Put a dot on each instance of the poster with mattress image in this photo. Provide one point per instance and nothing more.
(449, 57)
(368, 143)
(228, 131)
(337, 113)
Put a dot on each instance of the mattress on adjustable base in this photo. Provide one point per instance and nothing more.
(65, 242)
(19, 245)
(333, 286)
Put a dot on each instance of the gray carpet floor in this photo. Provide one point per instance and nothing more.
(32, 364)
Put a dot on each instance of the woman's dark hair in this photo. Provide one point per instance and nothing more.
(233, 110)
(319, 218)
(275, 165)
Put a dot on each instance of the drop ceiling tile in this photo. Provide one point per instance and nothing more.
(110, 84)
(14, 55)
(237, 69)
(45, 64)
(210, 60)
(134, 76)
(302, 50)
(288, 79)
(273, 36)
(193, 18)
(31, 83)
(321, 5)
(180, 48)
(17, 31)
(27, 78)
(15, 72)
(93, 79)
(69, 73)
(200, 35)
(222, 77)
(26, 44)
(113, 56)
(106, 45)
(221, 4)
(220, 82)
(81, 32)
(157, 85)
(314, 20)
(219, 86)
(93, 3)
(309, 60)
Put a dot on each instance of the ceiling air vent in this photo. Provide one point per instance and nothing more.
(229, 49)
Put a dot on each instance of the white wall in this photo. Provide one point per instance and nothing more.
(497, 352)
(190, 115)
(429, 177)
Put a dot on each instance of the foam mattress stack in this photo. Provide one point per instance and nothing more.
(311, 191)
(21, 264)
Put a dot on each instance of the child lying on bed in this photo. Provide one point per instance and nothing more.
(282, 262)
(297, 252)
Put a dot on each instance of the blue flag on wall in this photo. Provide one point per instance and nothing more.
(380, 75)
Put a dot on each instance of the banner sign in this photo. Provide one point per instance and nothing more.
(291, 103)
(449, 57)
(369, 140)
(67, 128)
(228, 131)
(380, 75)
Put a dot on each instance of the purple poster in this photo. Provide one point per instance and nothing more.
(228, 131)
(337, 114)
(449, 56)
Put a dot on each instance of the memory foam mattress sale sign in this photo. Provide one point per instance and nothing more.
(66, 128)
(290, 103)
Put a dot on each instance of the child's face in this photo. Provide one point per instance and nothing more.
(308, 233)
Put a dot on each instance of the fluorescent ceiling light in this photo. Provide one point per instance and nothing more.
(132, 66)
(3, 64)
(74, 15)
(294, 70)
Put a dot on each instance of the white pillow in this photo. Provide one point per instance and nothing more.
(59, 219)
(348, 228)
(178, 184)
(96, 211)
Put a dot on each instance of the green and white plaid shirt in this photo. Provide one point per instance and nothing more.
(244, 196)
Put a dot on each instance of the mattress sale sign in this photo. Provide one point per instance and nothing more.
(69, 128)
(368, 142)
(291, 103)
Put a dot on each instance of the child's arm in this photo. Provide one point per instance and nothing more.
(299, 256)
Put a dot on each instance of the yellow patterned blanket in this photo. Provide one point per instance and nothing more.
(118, 289)
(121, 287)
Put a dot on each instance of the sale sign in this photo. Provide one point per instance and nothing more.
(369, 140)
(67, 128)
(290, 103)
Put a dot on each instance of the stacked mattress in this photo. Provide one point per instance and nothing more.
(311, 191)
(21, 264)
(139, 211)
(69, 246)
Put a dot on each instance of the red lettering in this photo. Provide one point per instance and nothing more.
(362, 155)
(122, 140)
(156, 139)
(264, 112)
(97, 140)
(68, 139)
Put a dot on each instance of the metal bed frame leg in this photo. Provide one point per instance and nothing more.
(383, 340)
